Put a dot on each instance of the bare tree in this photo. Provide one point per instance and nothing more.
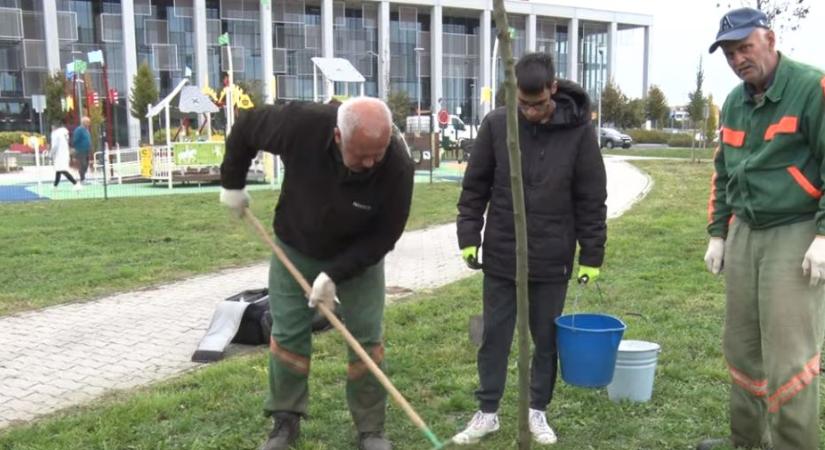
(782, 14)
(520, 219)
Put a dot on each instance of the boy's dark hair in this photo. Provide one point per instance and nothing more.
(535, 72)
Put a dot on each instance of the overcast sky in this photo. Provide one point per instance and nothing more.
(682, 32)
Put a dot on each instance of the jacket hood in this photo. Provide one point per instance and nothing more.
(572, 105)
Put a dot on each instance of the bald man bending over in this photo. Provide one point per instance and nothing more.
(344, 202)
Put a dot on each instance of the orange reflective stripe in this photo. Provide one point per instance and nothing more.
(732, 217)
(358, 369)
(803, 182)
(798, 382)
(294, 361)
(786, 125)
(759, 388)
(822, 83)
(734, 138)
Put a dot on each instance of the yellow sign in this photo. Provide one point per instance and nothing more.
(146, 162)
(245, 102)
(486, 94)
(210, 93)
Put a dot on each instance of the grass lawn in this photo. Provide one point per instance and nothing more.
(654, 279)
(662, 152)
(62, 251)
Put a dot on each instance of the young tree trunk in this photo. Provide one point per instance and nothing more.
(520, 218)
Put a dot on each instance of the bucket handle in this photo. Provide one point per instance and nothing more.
(583, 281)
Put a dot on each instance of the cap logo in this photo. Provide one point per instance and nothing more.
(726, 24)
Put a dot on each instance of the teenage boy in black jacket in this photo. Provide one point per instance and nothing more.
(344, 202)
(565, 192)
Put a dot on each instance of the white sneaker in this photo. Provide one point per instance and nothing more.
(78, 187)
(542, 433)
(481, 425)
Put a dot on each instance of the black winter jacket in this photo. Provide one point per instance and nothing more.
(564, 188)
(324, 210)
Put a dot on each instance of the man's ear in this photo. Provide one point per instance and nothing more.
(337, 136)
(771, 37)
(554, 87)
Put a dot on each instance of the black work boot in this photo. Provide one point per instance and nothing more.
(285, 433)
(373, 440)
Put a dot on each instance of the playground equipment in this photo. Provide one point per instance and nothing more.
(335, 70)
(191, 161)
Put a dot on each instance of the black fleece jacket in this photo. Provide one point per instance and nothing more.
(564, 189)
(324, 210)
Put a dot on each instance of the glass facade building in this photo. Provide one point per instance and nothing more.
(391, 44)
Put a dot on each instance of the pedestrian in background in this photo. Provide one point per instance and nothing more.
(82, 143)
(60, 154)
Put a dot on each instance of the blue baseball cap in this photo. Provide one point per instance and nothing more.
(738, 24)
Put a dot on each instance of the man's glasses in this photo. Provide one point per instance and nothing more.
(538, 106)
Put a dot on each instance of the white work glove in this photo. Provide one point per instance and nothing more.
(237, 200)
(715, 256)
(814, 261)
(323, 291)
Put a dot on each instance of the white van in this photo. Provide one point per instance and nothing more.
(456, 129)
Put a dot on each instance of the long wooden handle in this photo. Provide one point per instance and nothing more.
(402, 402)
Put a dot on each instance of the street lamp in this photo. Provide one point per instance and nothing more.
(418, 51)
(385, 81)
(78, 79)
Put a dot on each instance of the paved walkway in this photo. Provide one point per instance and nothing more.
(66, 355)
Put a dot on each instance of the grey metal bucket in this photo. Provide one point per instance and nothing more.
(635, 371)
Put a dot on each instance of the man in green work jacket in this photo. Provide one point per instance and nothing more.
(767, 230)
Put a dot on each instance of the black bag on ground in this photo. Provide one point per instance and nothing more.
(256, 323)
(243, 318)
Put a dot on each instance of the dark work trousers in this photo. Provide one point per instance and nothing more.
(83, 161)
(64, 173)
(546, 303)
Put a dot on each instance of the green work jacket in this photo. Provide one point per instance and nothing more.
(769, 164)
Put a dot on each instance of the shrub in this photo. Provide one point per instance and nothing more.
(12, 137)
(641, 136)
(679, 140)
(160, 135)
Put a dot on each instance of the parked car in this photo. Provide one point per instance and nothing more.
(611, 138)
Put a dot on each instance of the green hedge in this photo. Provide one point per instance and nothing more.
(680, 140)
(649, 136)
(10, 137)
(659, 137)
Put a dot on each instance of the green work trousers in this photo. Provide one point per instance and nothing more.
(362, 310)
(773, 337)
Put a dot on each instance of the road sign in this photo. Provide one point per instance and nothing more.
(38, 103)
(426, 155)
(443, 117)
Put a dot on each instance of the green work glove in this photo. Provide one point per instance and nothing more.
(470, 256)
(588, 274)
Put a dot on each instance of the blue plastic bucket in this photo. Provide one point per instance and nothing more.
(587, 346)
